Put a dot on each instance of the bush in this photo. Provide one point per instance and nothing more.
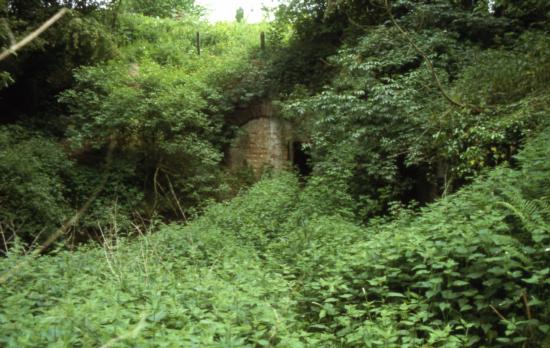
(204, 285)
(163, 106)
(33, 173)
(503, 76)
(454, 275)
(251, 273)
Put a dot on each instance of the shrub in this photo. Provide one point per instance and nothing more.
(469, 270)
(462, 272)
(33, 172)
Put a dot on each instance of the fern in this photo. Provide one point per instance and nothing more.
(533, 214)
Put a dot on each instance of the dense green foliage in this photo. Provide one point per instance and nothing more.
(260, 271)
(32, 174)
(377, 127)
(143, 92)
(380, 126)
(162, 104)
(425, 221)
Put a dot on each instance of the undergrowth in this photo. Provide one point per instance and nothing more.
(270, 269)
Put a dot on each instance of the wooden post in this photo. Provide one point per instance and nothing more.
(198, 43)
(262, 41)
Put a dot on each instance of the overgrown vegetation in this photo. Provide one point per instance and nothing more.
(425, 221)
(470, 270)
(148, 96)
(379, 125)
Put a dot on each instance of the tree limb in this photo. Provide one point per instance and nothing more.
(17, 46)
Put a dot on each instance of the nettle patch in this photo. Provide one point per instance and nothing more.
(267, 269)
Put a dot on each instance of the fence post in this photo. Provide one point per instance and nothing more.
(198, 43)
(262, 41)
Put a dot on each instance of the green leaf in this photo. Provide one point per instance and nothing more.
(395, 294)
(533, 280)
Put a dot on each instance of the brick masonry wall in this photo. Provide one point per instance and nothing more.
(263, 142)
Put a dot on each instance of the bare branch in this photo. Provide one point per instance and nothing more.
(500, 316)
(17, 46)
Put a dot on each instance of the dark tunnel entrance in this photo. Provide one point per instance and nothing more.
(300, 159)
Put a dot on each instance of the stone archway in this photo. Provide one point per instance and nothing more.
(264, 140)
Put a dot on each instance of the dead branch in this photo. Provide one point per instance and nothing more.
(27, 39)
(176, 198)
(501, 317)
